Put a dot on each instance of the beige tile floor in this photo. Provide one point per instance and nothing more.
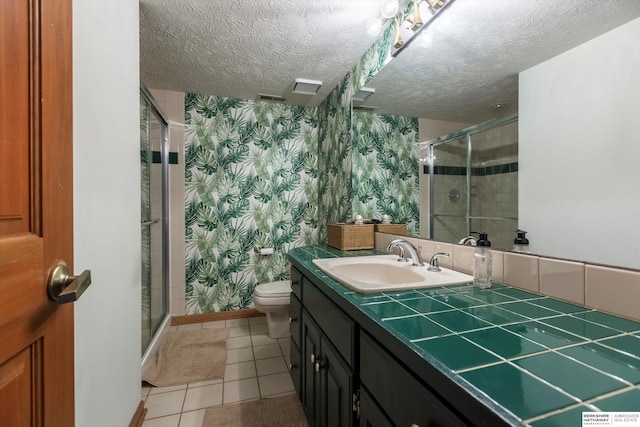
(256, 367)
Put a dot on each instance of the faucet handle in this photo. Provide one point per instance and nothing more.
(434, 265)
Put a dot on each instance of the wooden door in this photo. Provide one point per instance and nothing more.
(36, 206)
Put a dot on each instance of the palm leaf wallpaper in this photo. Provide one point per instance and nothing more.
(250, 180)
(385, 168)
(336, 137)
(273, 175)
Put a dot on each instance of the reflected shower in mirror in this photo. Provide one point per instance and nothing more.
(474, 56)
(473, 183)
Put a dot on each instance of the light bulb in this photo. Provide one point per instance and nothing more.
(374, 26)
(389, 9)
(426, 40)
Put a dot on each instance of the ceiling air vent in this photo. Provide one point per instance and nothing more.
(364, 108)
(275, 98)
(306, 86)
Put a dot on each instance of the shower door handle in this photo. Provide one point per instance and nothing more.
(63, 287)
(148, 223)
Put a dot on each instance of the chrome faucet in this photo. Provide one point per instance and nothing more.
(469, 241)
(433, 263)
(403, 245)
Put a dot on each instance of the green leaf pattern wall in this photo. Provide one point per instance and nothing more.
(273, 175)
(385, 168)
(335, 163)
(250, 180)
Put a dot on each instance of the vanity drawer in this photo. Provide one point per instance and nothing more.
(295, 318)
(296, 282)
(337, 326)
(404, 399)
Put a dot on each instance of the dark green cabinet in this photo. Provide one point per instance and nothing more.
(336, 387)
(321, 371)
(370, 413)
(403, 398)
(345, 377)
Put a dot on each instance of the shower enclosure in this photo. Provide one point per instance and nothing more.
(473, 182)
(154, 217)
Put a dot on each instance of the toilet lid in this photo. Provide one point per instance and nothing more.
(273, 289)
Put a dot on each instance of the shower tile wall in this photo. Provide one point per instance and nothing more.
(494, 186)
(449, 224)
(493, 191)
(430, 129)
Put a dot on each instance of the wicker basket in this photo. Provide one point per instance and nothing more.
(350, 237)
(398, 229)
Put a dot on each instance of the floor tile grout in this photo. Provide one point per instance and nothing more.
(252, 328)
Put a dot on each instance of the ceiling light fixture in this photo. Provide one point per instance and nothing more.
(389, 9)
(410, 15)
(306, 87)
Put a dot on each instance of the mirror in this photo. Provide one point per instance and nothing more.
(475, 55)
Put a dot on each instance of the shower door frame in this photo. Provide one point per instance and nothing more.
(458, 135)
(164, 165)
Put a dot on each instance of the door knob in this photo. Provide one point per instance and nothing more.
(63, 287)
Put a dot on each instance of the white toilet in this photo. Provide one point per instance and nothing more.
(273, 299)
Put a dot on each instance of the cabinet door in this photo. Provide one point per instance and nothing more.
(295, 368)
(310, 381)
(402, 396)
(336, 388)
(370, 414)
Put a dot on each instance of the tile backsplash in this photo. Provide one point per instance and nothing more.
(608, 289)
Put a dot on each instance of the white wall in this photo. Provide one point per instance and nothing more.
(580, 153)
(107, 210)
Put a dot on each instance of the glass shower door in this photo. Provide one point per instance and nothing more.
(474, 183)
(153, 129)
(449, 189)
(494, 184)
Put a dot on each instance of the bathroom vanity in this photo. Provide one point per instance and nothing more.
(452, 356)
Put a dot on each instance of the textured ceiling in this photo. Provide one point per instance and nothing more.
(478, 47)
(240, 48)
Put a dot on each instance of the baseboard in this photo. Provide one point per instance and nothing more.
(219, 315)
(138, 416)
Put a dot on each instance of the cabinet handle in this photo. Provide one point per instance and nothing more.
(318, 366)
(415, 425)
(291, 366)
(292, 319)
(312, 358)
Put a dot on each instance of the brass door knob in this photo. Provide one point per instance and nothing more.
(63, 287)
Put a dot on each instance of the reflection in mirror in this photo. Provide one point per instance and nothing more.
(475, 54)
(473, 183)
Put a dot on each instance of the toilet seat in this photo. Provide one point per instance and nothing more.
(278, 289)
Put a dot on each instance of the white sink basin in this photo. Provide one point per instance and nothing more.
(377, 273)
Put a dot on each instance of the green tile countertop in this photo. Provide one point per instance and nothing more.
(543, 360)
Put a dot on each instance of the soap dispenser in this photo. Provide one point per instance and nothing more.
(521, 243)
(482, 261)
